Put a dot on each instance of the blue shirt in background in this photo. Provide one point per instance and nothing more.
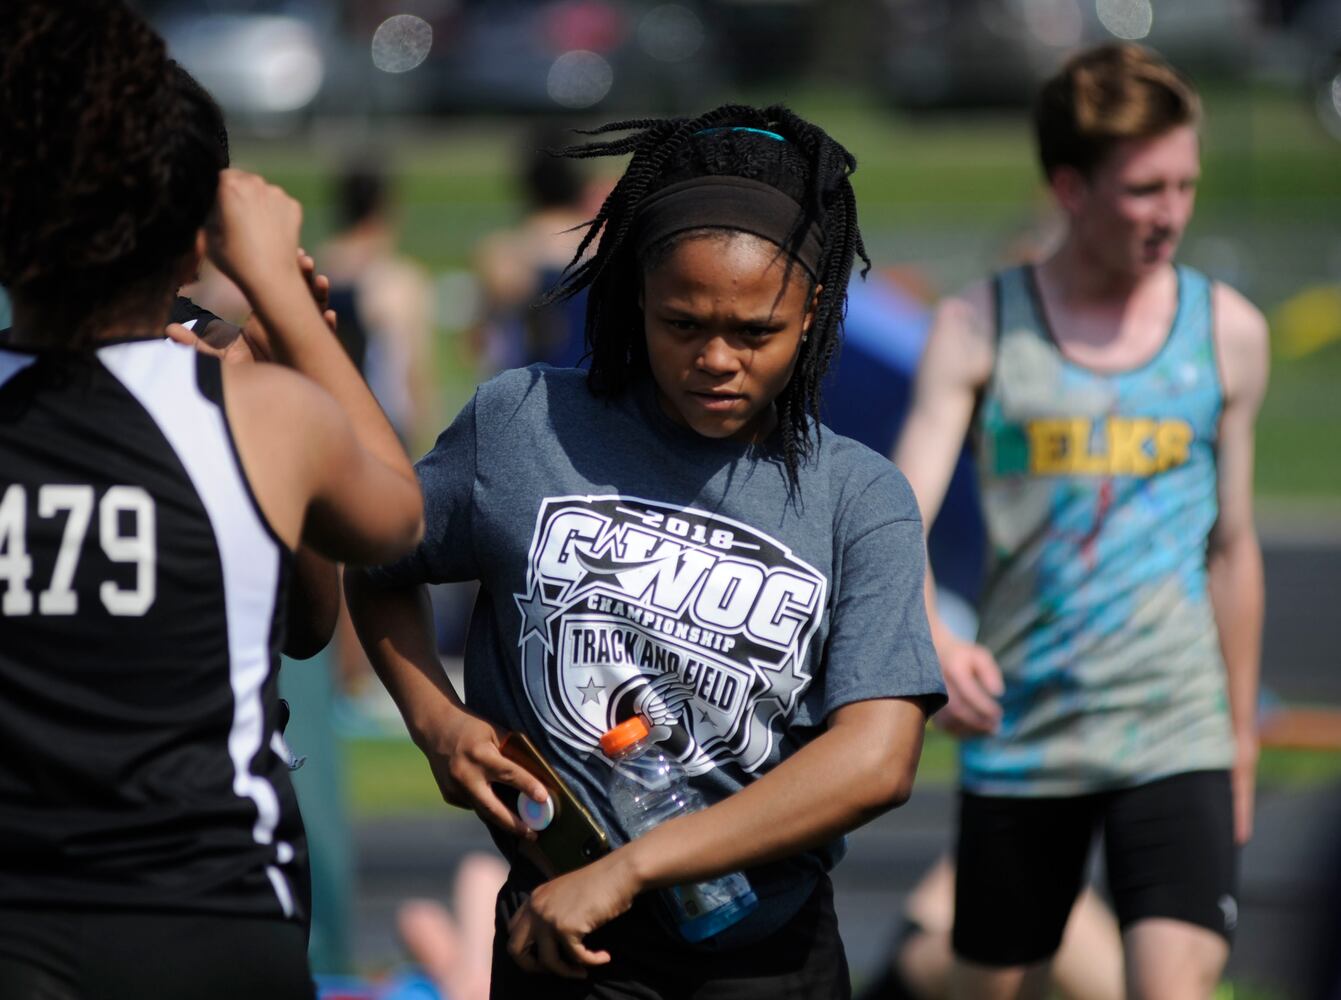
(866, 397)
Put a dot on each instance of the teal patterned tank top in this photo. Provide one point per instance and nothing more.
(1099, 494)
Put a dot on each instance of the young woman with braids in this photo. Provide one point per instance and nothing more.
(674, 535)
(150, 502)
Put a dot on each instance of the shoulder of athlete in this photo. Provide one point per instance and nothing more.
(503, 268)
(285, 427)
(1242, 342)
(402, 275)
(873, 491)
(962, 340)
(534, 393)
(395, 297)
(251, 382)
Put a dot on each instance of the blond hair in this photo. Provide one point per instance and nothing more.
(1105, 95)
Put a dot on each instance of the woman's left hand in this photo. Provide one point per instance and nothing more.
(318, 285)
(546, 934)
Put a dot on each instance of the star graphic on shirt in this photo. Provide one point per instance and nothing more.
(536, 616)
(703, 716)
(782, 681)
(591, 691)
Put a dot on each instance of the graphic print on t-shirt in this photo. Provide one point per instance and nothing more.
(697, 622)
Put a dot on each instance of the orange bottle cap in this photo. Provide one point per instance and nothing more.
(624, 735)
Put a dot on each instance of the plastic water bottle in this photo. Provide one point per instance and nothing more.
(646, 788)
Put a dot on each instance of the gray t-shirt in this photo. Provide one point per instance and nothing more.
(630, 565)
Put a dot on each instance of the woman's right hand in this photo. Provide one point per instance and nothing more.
(467, 759)
(252, 234)
(974, 684)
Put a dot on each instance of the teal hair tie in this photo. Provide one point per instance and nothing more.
(739, 128)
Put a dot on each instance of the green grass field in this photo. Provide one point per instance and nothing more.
(1263, 157)
(390, 777)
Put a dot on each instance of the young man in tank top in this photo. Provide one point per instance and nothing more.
(1112, 395)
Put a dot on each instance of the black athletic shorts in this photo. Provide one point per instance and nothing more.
(803, 960)
(1168, 847)
(125, 955)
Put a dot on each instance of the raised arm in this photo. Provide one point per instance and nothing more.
(1235, 577)
(325, 464)
(956, 364)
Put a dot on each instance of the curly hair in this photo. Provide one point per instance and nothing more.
(809, 166)
(110, 166)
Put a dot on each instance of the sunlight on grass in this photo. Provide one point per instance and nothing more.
(390, 777)
(1245, 991)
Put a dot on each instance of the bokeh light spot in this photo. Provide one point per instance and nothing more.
(579, 79)
(401, 43)
(1129, 19)
(1329, 104)
(670, 33)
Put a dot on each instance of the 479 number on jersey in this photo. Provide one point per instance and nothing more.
(125, 532)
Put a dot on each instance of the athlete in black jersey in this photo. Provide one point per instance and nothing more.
(150, 502)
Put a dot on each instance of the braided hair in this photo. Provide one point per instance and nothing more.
(111, 159)
(809, 166)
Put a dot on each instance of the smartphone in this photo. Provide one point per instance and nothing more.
(572, 837)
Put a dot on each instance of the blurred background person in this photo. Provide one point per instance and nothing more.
(870, 390)
(1087, 966)
(1113, 395)
(454, 944)
(515, 267)
(384, 300)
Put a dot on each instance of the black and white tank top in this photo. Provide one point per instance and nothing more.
(141, 617)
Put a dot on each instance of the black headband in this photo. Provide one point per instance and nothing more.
(721, 201)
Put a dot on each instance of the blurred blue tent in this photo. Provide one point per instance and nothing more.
(866, 397)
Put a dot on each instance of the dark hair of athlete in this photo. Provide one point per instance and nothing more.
(548, 181)
(109, 168)
(734, 141)
(360, 193)
(1105, 95)
(208, 115)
